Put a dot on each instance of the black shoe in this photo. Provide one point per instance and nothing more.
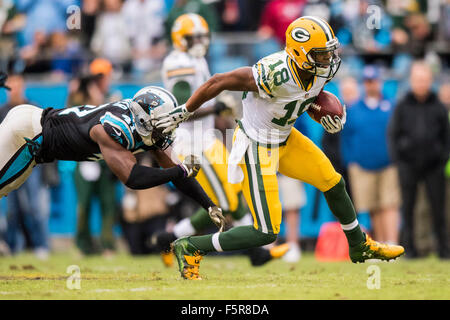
(259, 256)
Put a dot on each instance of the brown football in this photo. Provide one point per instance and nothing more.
(325, 103)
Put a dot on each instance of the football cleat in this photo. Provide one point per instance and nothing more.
(167, 258)
(279, 251)
(188, 257)
(162, 241)
(371, 249)
(260, 256)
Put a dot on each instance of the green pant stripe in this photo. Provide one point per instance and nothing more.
(215, 184)
(252, 194)
(258, 189)
(262, 192)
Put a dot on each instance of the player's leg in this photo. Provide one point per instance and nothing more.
(85, 190)
(107, 196)
(318, 171)
(260, 189)
(21, 138)
(213, 179)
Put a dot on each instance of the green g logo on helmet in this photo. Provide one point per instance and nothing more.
(300, 34)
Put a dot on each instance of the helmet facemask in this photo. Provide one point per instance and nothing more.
(323, 62)
(197, 44)
(145, 127)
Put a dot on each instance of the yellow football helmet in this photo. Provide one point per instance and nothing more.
(311, 43)
(190, 33)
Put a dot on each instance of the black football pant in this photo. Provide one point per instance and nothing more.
(434, 180)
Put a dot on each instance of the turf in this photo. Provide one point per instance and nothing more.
(225, 277)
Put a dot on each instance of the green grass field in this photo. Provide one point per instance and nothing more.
(127, 277)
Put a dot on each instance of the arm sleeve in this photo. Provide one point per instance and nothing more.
(143, 177)
(191, 188)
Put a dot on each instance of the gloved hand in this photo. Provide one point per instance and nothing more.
(334, 125)
(215, 213)
(191, 166)
(169, 121)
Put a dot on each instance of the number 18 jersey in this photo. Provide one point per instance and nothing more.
(270, 113)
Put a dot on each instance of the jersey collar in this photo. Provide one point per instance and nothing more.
(293, 70)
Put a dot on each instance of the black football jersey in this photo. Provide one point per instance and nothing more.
(66, 131)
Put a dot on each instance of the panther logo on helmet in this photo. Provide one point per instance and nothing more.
(149, 103)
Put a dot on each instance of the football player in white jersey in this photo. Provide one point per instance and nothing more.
(184, 70)
(277, 90)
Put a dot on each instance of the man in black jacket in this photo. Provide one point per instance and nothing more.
(420, 144)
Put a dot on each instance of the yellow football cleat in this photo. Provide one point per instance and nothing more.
(188, 257)
(167, 258)
(279, 251)
(371, 249)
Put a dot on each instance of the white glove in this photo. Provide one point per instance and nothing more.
(334, 125)
(191, 166)
(170, 120)
(215, 213)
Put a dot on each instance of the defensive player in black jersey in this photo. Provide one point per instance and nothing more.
(114, 132)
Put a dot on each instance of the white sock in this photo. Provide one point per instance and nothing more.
(184, 228)
(246, 220)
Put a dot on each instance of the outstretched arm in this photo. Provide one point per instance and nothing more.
(123, 164)
(240, 79)
(188, 186)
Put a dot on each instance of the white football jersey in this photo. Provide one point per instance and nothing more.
(270, 113)
(180, 66)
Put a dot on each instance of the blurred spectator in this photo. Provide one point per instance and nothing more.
(362, 28)
(94, 179)
(89, 12)
(28, 207)
(66, 55)
(414, 36)
(277, 16)
(331, 143)
(419, 138)
(293, 196)
(444, 94)
(373, 178)
(144, 213)
(111, 36)
(145, 24)
(46, 16)
(444, 97)
(11, 22)
(36, 55)
(240, 15)
(191, 6)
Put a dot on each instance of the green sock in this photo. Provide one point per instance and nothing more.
(243, 237)
(342, 207)
(200, 220)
